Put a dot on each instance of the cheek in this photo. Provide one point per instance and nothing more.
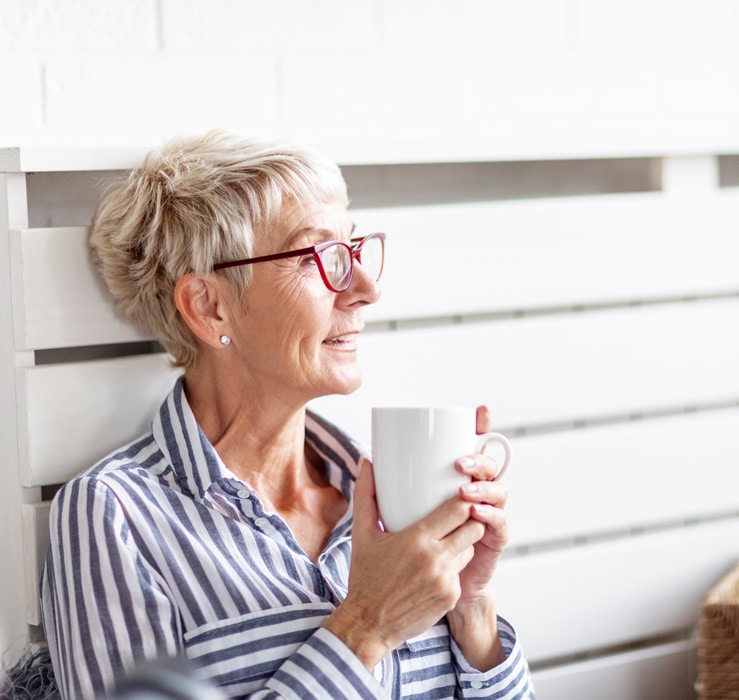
(291, 313)
(304, 319)
(298, 291)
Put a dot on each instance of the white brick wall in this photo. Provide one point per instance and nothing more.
(329, 27)
(77, 26)
(571, 75)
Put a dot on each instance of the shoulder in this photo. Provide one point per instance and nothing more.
(333, 444)
(319, 428)
(139, 460)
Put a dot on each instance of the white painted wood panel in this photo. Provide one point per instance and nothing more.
(613, 478)
(59, 299)
(477, 258)
(565, 485)
(444, 261)
(646, 141)
(540, 369)
(662, 672)
(529, 371)
(72, 415)
(35, 544)
(554, 368)
(31, 160)
(608, 593)
(13, 212)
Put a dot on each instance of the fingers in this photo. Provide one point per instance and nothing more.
(494, 523)
(460, 541)
(449, 516)
(490, 492)
(478, 466)
(461, 531)
(484, 421)
(487, 500)
(447, 557)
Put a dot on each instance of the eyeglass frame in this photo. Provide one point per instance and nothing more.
(355, 251)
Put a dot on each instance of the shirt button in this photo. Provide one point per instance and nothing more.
(242, 493)
(261, 522)
(476, 685)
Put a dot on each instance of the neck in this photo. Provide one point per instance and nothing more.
(259, 437)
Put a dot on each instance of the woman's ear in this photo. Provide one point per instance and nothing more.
(202, 304)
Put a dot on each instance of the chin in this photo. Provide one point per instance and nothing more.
(346, 383)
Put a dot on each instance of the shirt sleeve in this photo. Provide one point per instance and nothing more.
(509, 680)
(107, 611)
(103, 609)
(322, 668)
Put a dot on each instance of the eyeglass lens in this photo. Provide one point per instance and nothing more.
(337, 262)
(371, 256)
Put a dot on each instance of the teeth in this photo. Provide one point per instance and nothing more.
(340, 339)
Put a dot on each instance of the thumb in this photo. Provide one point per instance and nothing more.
(366, 515)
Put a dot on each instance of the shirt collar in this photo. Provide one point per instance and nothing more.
(197, 465)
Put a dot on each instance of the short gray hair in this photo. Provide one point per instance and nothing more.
(197, 201)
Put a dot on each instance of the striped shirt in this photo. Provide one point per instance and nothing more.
(159, 550)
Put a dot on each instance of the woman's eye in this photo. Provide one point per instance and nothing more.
(307, 261)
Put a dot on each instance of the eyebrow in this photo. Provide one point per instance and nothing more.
(326, 234)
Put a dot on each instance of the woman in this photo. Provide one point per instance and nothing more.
(226, 535)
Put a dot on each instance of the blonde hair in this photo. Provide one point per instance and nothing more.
(198, 201)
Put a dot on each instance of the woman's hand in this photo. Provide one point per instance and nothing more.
(402, 583)
(487, 498)
(473, 621)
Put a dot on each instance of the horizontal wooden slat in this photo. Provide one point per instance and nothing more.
(661, 672)
(650, 139)
(478, 258)
(529, 371)
(71, 415)
(59, 300)
(553, 368)
(35, 544)
(444, 261)
(611, 593)
(63, 160)
(637, 474)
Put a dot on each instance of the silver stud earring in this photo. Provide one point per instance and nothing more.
(225, 340)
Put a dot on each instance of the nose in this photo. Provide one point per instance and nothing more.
(363, 289)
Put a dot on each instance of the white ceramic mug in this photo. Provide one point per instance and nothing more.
(413, 453)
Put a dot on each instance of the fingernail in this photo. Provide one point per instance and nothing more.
(467, 463)
(471, 488)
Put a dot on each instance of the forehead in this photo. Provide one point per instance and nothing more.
(299, 221)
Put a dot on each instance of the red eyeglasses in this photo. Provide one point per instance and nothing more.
(335, 259)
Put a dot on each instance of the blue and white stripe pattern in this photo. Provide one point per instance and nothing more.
(159, 551)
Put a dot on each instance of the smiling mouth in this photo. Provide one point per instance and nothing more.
(341, 339)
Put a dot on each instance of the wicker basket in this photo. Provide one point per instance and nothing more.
(718, 644)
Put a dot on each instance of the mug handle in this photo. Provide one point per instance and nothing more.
(502, 440)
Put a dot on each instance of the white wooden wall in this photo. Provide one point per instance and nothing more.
(602, 330)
